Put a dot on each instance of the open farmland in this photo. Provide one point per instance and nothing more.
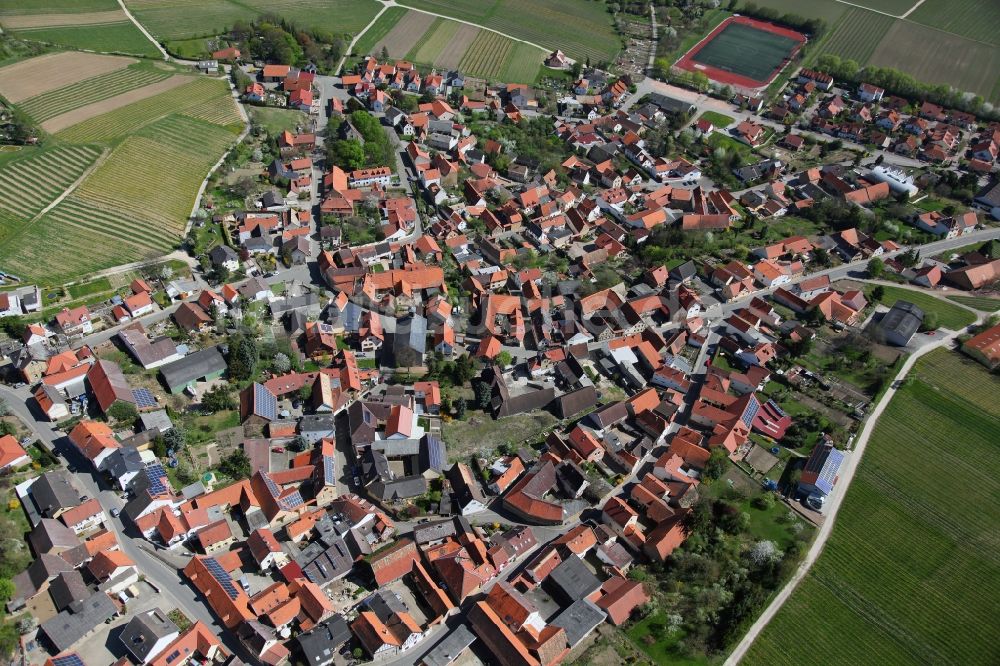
(68, 210)
(981, 303)
(935, 56)
(98, 25)
(128, 119)
(29, 183)
(823, 9)
(447, 44)
(856, 35)
(28, 78)
(581, 29)
(404, 35)
(910, 574)
(387, 20)
(975, 19)
(185, 19)
(51, 104)
(894, 7)
(97, 109)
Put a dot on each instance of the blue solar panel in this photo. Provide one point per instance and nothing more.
(291, 501)
(68, 660)
(265, 404)
(144, 399)
(272, 487)
(773, 405)
(329, 469)
(750, 412)
(157, 479)
(828, 475)
(221, 575)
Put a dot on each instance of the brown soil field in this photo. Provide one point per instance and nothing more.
(53, 20)
(48, 72)
(405, 34)
(75, 116)
(452, 54)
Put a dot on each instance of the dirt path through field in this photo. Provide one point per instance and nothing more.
(48, 72)
(75, 116)
(55, 20)
(72, 187)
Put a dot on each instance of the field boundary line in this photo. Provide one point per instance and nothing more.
(72, 186)
(827, 528)
(854, 4)
(142, 29)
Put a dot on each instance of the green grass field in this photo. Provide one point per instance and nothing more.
(121, 37)
(976, 19)
(20, 7)
(185, 19)
(51, 104)
(718, 119)
(910, 574)
(746, 51)
(949, 316)
(277, 120)
(981, 303)
(580, 29)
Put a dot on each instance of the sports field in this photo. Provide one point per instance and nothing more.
(97, 25)
(581, 29)
(911, 572)
(442, 43)
(118, 183)
(185, 19)
(743, 52)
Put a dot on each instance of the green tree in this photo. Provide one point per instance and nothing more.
(175, 438)
(123, 412)
(236, 465)
(931, 322)
(878, 293)
(218, 399)
(348, 154)
(716, 465)
(6, 589)
(243, 357)
(504, 359)
(876, 267)
(460, 408)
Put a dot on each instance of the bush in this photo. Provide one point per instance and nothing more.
(123, 412)
(764, 501)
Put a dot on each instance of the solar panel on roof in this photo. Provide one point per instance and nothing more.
(329, 469)
(157, 479)
(272, 487)
(144, 398)
(222, 576)
(265, 404)
(68, 660)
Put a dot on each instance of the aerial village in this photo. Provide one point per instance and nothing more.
(453, 405)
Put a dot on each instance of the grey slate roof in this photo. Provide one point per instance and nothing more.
(143, 631)
(573, 580)
(579, 620)
(450, 647)
(321, 643)
(67, 628)
(53, 492)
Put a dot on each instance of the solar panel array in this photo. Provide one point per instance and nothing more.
(222, 576)
(272, 487)
(774, 406)
(828, 475)
(68, 660)
(750, 412)
(265, 404)
(144, 398)
(329, 470)
(157, 479)
(291, 501)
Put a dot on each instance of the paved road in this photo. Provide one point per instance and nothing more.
(833, 506)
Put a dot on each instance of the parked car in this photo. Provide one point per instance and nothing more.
(115, 512)
(278, 449)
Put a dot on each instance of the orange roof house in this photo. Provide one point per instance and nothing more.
(619, 597)
(395, 562)
(225, 597)
(12, 454)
